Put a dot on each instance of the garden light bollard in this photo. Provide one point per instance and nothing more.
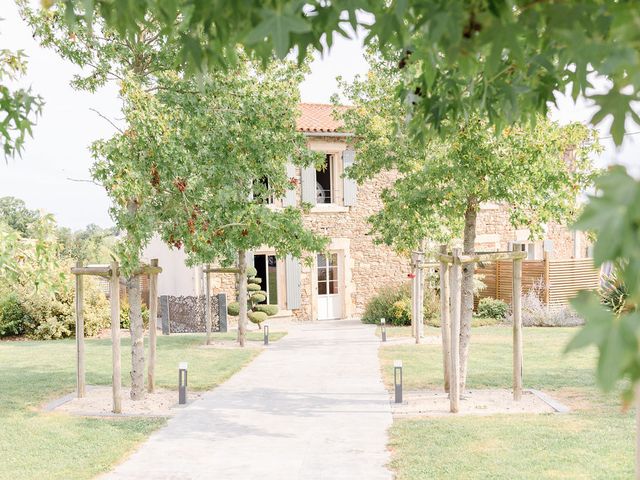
(383, 329)
(266, 334)
(397, 379)
(182, 383)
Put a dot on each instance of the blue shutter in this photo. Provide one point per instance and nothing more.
(292, 273)
(289, 199)
(349, 186)
(309, 189)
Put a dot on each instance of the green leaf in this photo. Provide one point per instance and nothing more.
(597, 321)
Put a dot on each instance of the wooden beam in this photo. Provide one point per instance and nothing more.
(445, 327)
(98, 270)
(116, 380)
(148, 270)
(222, 270)
(441, 257)
(517, 327)
(80, 369)
(153, 327)
(492, 257)
(454, 380)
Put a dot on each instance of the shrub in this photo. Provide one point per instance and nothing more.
(614, 294)
(493, 308)
(125, 319)
(270, 310)
(394, 305)
(12, 317)
(401, 312)
(257, 297)
(256, 317)
(536, 314)
(233, 309)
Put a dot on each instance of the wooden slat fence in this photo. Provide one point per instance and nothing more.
(557, 280)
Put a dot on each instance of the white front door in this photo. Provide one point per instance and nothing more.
(329, 298)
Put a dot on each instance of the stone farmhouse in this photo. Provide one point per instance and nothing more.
(353, 270)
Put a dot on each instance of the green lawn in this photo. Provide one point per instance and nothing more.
(393, 331)
(595, 440)
(34, 444)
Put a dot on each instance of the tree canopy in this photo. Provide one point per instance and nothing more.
(201, 161)
(537, 173)
(499, 60)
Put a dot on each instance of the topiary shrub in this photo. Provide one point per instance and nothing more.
(257, 297)
(493, 308)
(252, 272)
(257, 312)
(256, 317)
(270, 310)
(233, 309)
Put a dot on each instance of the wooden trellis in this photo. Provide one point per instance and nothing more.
(450, 297)
(112, 272)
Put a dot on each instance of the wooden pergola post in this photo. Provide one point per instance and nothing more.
(517, 324)
(454, 379)
(445, 327)
(420, 293)
(153, 327)
(207, 296)
(80, 370)
(116, 381)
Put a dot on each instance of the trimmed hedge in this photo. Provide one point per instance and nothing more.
(257, 317)
(270, 310)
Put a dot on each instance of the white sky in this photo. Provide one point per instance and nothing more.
(58, 150)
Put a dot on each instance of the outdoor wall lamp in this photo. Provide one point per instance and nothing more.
(266, 334)
(383, 329)
(397, 379)
(182, 383)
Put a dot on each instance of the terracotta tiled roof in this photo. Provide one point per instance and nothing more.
(319, 117)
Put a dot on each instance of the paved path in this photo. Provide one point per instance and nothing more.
(312, 406)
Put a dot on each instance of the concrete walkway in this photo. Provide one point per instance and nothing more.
(312, 406)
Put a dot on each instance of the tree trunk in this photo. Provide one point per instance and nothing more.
(136, 328)
(242, 296)
(470, 216)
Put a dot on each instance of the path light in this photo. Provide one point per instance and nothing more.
(266, 334)
(383, 329)
(397, 379)
(182, 383)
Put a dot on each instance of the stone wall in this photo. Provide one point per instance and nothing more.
(368, 268)
(494, 232)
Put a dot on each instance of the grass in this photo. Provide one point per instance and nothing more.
(433, 328)
(34, 444)
(595, 440)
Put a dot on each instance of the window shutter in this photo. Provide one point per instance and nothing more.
(289, 199)
(349, 186)
(292, 272)
(309, 190)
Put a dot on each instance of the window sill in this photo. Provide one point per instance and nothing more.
(329, 208)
